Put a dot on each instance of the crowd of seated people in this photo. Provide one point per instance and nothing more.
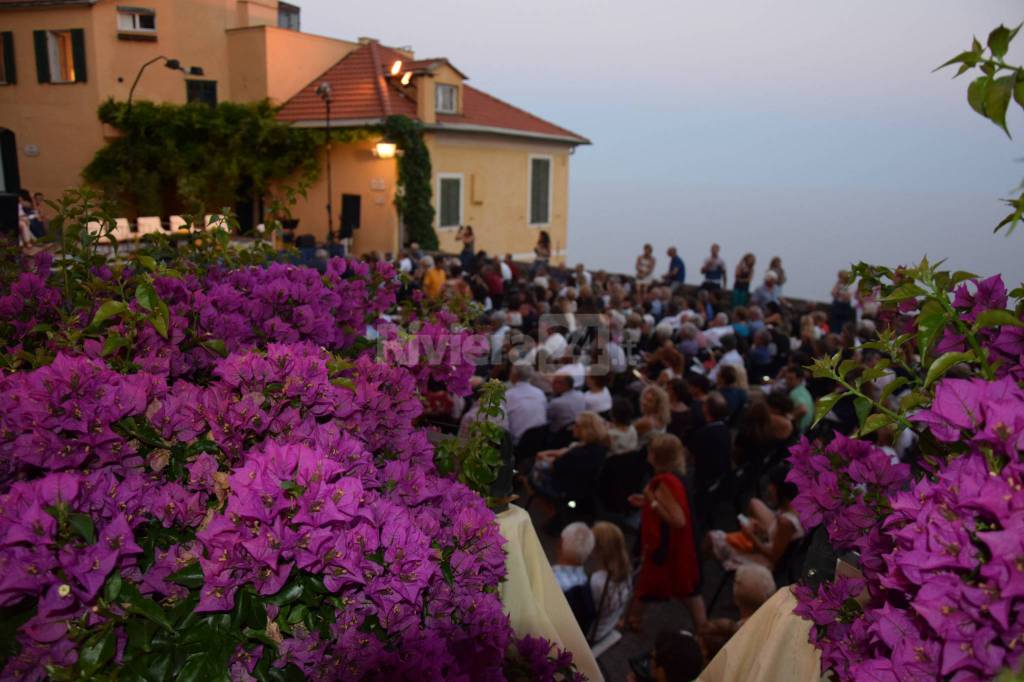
(664, 410)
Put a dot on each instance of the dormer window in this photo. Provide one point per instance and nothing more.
(446, 98)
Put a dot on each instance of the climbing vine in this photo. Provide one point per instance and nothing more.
(195, 158)
(413, 199)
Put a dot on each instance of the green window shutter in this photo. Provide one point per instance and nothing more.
(42, 56)
(78, 53)
(540, 189)
(10, 73)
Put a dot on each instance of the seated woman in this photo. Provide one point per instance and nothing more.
(763, 537)
(670, 567)
(610, 581)
(570, 472)
(621, 433)
(656, 414)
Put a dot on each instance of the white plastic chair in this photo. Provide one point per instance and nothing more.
(177, 223)
(149, 225)
(123, 230)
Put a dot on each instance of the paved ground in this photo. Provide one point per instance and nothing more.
(670, 615)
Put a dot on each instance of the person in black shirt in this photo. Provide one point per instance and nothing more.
(711, 449)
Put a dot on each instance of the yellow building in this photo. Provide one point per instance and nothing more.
(62, 58)
(497, 168)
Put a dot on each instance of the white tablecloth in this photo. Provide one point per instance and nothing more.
(531, 596)
(770, 647)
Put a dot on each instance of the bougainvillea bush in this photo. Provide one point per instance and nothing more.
(207, 474)
(940, 546)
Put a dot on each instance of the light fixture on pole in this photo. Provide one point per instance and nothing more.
(323, 91)
(385, 150)
(172, 64)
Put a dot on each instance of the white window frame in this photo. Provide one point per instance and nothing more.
(54, 54)
(462, 198)
(437, 98)
(529, 188)
(134, 13)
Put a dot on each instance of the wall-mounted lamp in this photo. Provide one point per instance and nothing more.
(396, 68)
(406, 77)
(385, 150)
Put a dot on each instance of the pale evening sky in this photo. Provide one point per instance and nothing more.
(810, 130)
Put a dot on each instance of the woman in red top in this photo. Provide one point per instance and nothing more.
(670, 565)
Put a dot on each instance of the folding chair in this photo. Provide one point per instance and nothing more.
(149, 225)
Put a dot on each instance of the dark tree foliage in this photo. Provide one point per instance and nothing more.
(414, 172)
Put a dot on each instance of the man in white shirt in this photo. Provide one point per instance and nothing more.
(499, 321)
(566, 404)
(527, 405)
(718, 328)
(576, 371)
(506, 271)
(730, 357)
(404, 262)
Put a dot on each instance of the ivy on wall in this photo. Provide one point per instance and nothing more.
(413, 198)
(195, 158)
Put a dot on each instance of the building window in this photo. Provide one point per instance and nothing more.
(201, 91)
(8, 76)
(447, 98)
(288, 16)
(60, 56)
(136, 20)
(449, 198)
(540, 190)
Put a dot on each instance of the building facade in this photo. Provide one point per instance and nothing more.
(495, 167)
(62, 58)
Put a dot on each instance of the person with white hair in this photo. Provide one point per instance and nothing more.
(717, 328)
(527, 405)
(767, 292)
(499, 324)
(574, 548)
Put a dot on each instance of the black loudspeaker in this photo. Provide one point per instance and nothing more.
(9, 215)
(351, 208)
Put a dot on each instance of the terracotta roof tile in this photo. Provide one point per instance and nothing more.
(28, 4)
(362, 93)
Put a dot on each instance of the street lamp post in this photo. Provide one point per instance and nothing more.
(172, 64)
(324, 92)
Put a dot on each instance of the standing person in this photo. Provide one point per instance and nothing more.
(541, 253)
(841, 311)
(655, 414)
(610, 581)
(676, 275)
(645, 264)
(669, 567)
(715, 276)
(780, 273)
(468, 254)
(741, 282)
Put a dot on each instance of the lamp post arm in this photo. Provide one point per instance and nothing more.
(138, 76)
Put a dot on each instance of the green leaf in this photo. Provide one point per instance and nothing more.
(1018, 92)
(216, 346)
(941, 365)
(83, 526)
(880, 369)
(146, 296)
(148, 262)
(862, 406)
(999, 40)
(996, 318)
(929, 328)
(191, 576)
(825, 404)
(259, 636)
(134, 602)
(159, 323)
(108, 310)
(976, 93)
(846, 366)
(97, 650)
(206, 666)
(289, 593)
(904, 291)
(891, 388)
(997, 100)
(112, 590)
(113, 342)
(873, 423)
